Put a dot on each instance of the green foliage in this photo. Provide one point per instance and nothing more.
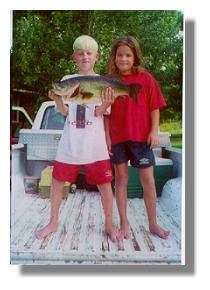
(42, 45)
(175, 128)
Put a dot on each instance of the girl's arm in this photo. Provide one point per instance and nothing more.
(153, 137)
(107, 134)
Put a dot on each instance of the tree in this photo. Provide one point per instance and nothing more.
(42, 45)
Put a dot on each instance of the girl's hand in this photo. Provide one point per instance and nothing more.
(109, 145)
(153, 139)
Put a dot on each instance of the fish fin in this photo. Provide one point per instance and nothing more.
(120, 97)
(134, 90)
(75, 93)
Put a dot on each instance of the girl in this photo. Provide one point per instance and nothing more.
(132, 130)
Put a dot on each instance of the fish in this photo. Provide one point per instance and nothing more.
(87, 89)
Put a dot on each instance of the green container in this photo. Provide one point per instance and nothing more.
(162, 173)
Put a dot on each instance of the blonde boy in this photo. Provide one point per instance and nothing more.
(83, 143)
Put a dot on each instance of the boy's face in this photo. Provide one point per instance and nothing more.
(85, 59)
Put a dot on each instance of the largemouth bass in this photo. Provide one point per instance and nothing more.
(87, 89)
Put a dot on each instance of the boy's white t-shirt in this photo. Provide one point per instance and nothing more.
(86, 143)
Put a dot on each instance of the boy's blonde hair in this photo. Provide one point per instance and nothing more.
(85, 42)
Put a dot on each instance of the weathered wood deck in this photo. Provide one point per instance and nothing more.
(80, 238)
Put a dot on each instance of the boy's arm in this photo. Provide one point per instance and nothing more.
(101, 110)
(153, 137)
(58, 99)
(59, 102)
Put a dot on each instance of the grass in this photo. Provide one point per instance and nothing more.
(175, 128)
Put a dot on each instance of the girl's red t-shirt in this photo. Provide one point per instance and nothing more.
(130, 120)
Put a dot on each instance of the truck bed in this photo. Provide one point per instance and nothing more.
(80, 238)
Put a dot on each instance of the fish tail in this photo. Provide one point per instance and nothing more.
(134, 90)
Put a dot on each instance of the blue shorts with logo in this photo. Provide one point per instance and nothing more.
(139, 154)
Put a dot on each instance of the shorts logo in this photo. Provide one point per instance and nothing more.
(144, 161)
(108, 173)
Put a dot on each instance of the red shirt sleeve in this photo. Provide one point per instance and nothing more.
(156, 99)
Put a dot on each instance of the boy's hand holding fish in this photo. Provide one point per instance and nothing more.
(67, 95)
(107, 99)
(108, 96)
(53, 96)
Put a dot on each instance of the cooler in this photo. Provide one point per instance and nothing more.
(162, 173)
(45, 183)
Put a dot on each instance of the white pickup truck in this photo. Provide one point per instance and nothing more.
(80, 238)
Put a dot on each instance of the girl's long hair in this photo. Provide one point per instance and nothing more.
(132, 43)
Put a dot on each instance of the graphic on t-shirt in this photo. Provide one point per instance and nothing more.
(80, 116)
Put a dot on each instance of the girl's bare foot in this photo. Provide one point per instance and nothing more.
(161, 233)
(42, 233)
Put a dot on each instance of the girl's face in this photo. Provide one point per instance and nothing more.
(124, 59)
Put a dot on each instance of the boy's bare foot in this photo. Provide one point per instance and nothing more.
(42, 233)
(125, 231)
(113, 234)
(161, 233)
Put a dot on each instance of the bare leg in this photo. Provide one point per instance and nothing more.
(148, 183)
(56, 193)
(121, 181)
(107, 202)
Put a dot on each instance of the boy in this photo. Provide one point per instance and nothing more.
(83, 143)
